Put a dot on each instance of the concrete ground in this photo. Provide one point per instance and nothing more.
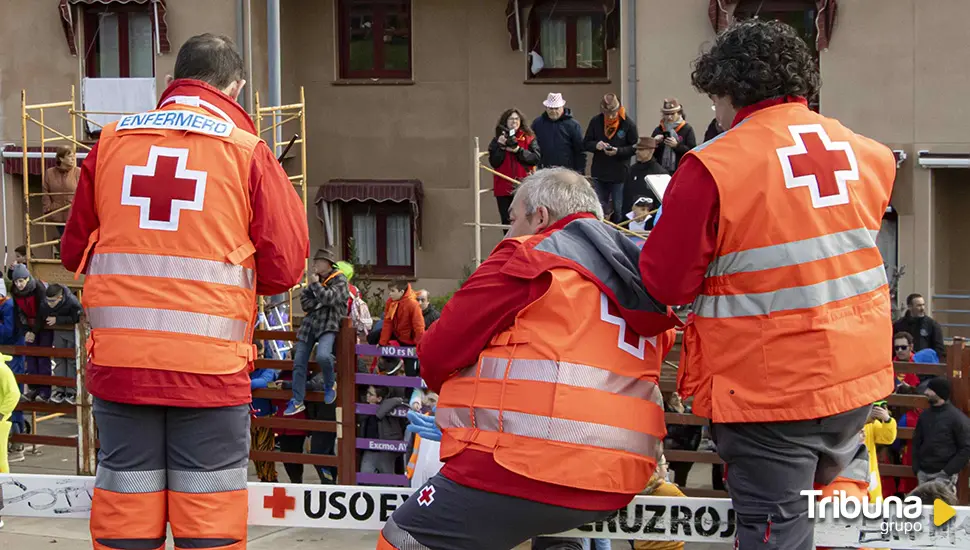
(67, 534)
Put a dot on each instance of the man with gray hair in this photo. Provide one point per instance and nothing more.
(546, 362)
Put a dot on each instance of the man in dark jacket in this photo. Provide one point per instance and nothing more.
(927, 333)
(560, 137)
(941, 442)
(636, 184)
(612, 138)
(62, 308)
(428, 310)
(324, 301)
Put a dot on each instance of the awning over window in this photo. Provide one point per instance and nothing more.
(13, 160)
(157, 7)
(944, 160)
(517, 28)
(824, 19)
(409, 191)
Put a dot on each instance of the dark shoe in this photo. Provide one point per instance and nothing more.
(71, 399)
(41, 398)
(57, 397)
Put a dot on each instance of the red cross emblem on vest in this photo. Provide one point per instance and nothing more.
(817, 162)
(163, 188)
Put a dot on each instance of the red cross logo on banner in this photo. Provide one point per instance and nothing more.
(279, 502)
(628, 341)
(817, 162)
(163, 188)
(426, 497)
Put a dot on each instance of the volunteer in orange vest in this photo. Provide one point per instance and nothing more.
(547, 363)
(182, 216)
(770, 228)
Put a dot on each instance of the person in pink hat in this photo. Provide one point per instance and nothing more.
(559, 135)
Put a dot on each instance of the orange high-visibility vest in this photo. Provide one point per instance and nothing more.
(567, 395)
(793, 318)
(171, 278)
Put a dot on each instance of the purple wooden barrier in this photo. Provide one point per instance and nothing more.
(387, 351)
(393, 381)
(367, 408)
(397, 480)
(381, 445)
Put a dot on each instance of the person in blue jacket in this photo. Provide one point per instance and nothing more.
(262, 437)
(9, 336)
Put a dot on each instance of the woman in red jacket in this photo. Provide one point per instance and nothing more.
(513, 152)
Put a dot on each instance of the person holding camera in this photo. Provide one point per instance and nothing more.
(674, 135)
(612, 138)
(514, 153)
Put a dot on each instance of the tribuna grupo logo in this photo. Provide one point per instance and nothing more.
(898, 515)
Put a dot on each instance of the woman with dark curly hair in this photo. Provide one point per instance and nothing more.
(770, 229)
(513, 152)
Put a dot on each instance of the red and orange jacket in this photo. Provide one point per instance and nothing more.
(487, 305)
(403, 320)
(281, 246)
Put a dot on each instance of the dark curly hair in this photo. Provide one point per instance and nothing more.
(504, 118)
(754, 60)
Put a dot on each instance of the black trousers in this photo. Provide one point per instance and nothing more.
(293, 444)
(504, 203)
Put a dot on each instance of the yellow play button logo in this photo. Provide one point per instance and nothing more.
(942, 512)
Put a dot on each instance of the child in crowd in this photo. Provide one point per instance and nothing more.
(62, 308)
(659, 487)
(10, 337)
(19, 258)
(263, 438)
(357, 308)
(9, 397)
(324, 301)
(381, 426)
(403, 320)
(880, 429)
(640, 218)
(29, 296)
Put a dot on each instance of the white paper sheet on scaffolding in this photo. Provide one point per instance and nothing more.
(116, 95)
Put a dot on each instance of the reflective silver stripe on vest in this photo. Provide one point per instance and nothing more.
(793, 253)
(130, 482)
(219, 481)
(171, 267)
(399, 538)
(167, 320)
(551, 429)
(570, 374)
(786, 299)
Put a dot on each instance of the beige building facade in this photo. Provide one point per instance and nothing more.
(397, 91)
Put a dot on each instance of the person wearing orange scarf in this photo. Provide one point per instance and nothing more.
(403, 320)
(674, 135)
(612, 138)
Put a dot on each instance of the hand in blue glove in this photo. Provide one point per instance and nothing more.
(423, 425)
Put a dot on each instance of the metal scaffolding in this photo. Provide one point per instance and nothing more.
(46, 266)
(281, 117)
(477, 192)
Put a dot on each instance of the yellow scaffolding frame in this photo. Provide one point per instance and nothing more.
(477, 194)
(280, 116)
(36, 114)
